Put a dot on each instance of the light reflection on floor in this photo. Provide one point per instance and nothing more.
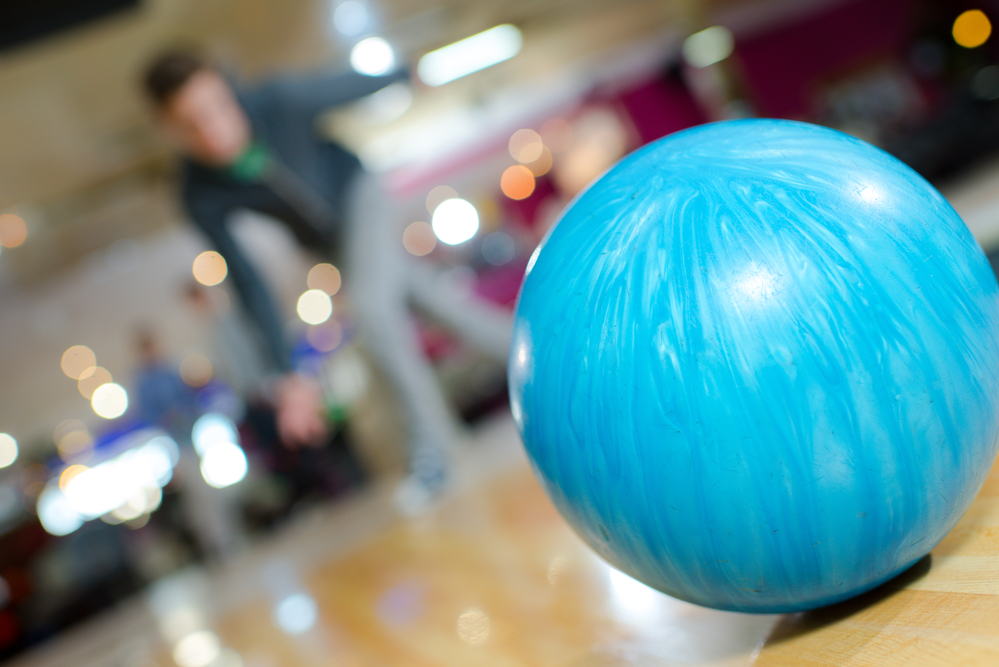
(490, 577)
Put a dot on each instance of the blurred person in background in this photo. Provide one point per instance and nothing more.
(259, 149)
(162, 398)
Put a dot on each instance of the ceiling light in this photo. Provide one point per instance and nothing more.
(470, 55)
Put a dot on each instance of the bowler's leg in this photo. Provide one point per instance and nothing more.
(480, 323)
(376, 281)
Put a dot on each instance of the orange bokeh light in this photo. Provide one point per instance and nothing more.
(209, 268)
(972, 28)
(325, 277)
(13, 231)
(517, 182)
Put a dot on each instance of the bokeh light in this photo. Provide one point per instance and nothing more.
(8, 449)
(438, 196)
(77, 361)
(69, 473)
(350, 18)
(708, 46)
(122, 488)
(526, 146)
(223, 464)
(314, 306)
(470, 55)
(209, 268)
(91, 379)
(211, 429)
(419, 239)
(325, 337)
(198, 649)
(296, 613)
(455, 221)
(196, 370)
(972, 28)
(543, 164)
(57, 516)
(556, 133)
(517, 182)
(372, 56)
(13, 231)
(110, 400)
(325, 277)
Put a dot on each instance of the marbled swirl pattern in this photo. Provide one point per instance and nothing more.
(756, 366)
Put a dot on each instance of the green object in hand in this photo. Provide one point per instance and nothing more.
(252, 164)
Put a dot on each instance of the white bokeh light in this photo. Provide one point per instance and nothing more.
(372, 56)
(198, 649)
(296, 614)
(124, 487)
(211, 429)
(350, 18)
(314, 306)
(57, 516)
(223, 465)
(470, 55)
(109, 400)
(455, 221)
(8, 449)
(156, 460)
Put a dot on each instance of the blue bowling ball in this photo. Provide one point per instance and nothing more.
(756, 366)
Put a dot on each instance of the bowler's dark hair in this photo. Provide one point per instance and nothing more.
(168, 72)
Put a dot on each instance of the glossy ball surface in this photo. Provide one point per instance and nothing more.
(756, 366)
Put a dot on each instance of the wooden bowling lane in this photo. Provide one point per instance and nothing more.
(492, 577)
(495, 577)
(944, 611)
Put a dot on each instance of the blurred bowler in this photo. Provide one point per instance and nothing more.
(258, 149)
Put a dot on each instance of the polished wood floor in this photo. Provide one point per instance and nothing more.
(493, 577)
(943, 612)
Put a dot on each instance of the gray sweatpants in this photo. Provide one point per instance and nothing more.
(383, 282)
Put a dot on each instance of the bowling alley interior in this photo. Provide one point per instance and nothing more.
(156, 508)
